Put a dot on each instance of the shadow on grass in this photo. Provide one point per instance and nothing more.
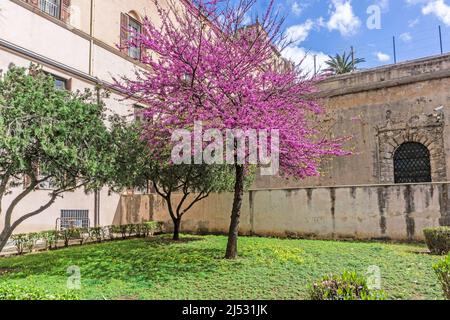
(167, 240)
(154, 260)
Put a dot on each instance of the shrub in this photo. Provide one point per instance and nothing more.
(16, 292)
(154, 227)
(348, 286)
(84, 235)
(113, 231)
(96, 234)
(123, 231)
(131, 229)
(30, 243)
(438, 240)
(50, 239)
(20, 241)
(69, 234)
(442, 270)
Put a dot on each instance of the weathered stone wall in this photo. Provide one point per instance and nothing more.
(397, 212)
(382, 108)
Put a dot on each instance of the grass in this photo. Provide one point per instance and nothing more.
(158, 268)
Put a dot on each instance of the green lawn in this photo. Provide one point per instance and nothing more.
(194, 269)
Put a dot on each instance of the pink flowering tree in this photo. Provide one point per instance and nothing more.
(205, 65)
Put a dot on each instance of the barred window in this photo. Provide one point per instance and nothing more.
(74, 219)
(412, 163)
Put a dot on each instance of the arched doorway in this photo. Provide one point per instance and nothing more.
(412, 163)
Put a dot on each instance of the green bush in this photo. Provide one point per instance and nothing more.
(15, 292)
(20, 241)
(96, 234)
(50, 239)
(131, 229)
(123, 231)
(154, 227)
(348, 286)
(113, 231)
(442, 270)
(438, 240)
(70, 234)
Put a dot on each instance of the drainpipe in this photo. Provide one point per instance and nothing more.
(91, 40)
(91, 73)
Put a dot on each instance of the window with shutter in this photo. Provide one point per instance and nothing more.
(65, 10)
(123, 32)
(51, 7)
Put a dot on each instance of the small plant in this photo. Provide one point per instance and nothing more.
(50, 239)
(30, 243)
(348, 286)
(96, 234)
(69, 234)
(153, 227)
(16, 292)
(84, 235)
(442, 270)
(113, 231)
(20, 241)
(131, 229)
(438, 240)
(123, 231)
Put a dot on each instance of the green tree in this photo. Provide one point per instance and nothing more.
(47, 136)
(341, 64)
(181, 186)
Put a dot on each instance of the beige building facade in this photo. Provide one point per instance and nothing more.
(394, 184)
(77, 42)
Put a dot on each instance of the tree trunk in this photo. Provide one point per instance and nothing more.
(4, 237)
(235, 214)
(176, 229)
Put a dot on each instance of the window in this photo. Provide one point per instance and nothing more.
(60, 83)
(412, 163)
(51, 7)
(74, 219)
(133, 27)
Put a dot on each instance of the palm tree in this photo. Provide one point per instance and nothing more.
(341, 64)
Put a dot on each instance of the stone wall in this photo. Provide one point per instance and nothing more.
(396, 212)
(380, 109)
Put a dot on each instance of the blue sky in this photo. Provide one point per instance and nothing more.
(323, 27)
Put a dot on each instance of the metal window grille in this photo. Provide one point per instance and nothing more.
(74, 219)
(412, 163)
(51, 7)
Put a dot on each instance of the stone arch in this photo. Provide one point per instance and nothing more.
(136, 16)
(390, 138)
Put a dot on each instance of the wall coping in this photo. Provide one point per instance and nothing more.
(364, 86)
(352, 186)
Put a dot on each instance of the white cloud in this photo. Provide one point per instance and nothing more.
(413, 23)
(405, 37)
(438, 8)
(300, 32)
(343, 18)
(296, 8)
(383, 57)
(299, 54)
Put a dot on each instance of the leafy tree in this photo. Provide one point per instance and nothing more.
(46, 136)
(181, 186)
(207, 66)
(341, 64)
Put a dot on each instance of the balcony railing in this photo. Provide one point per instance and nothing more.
(51, 7)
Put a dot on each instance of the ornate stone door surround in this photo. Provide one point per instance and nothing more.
(425, 129)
